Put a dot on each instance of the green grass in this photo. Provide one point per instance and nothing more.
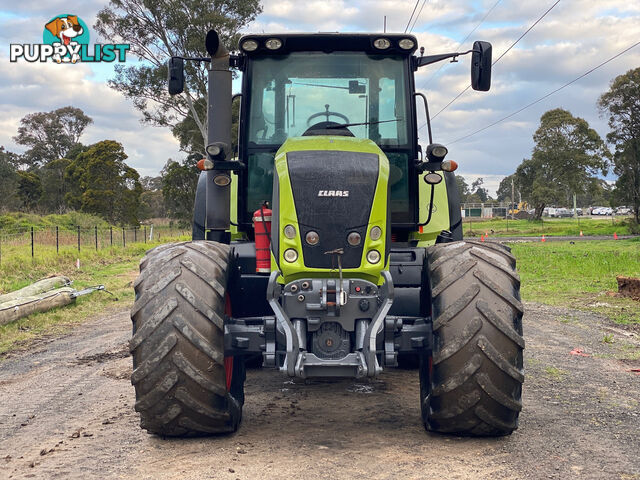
(499, 227)
(115, 268)
(554, 372)
(580, 275)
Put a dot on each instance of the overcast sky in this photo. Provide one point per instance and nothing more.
(575, 36)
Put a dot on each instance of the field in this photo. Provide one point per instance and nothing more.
(500, 227)
(113, 267)
(580, 275)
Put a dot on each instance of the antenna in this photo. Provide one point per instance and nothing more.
(384, 29)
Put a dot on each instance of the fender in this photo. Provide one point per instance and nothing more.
(211, 211)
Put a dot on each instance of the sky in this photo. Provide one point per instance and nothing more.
(575, 36)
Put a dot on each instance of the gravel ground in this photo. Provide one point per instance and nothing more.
(66, 411)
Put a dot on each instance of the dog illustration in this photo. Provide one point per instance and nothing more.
(65, 28)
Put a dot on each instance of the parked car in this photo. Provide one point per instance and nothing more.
(623, 211)
(597, 210)
(579, 212)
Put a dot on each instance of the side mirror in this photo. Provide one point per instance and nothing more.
(481, 66)
(176, 75)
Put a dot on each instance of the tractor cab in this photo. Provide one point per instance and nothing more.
(354, 85)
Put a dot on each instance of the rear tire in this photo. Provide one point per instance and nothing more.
(473, 386)
(184, 385)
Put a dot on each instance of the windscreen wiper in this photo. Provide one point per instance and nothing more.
(345, 125)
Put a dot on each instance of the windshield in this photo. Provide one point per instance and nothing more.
(291, 93)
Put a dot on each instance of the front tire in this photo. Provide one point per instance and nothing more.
(184, 384)
(473, 386)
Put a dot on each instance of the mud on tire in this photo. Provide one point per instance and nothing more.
(474, 384)
(182, 387)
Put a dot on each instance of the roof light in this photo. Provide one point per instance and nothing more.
(249, 45)
(433, 178)
(406, 44)
(273, 43)
(381, 43)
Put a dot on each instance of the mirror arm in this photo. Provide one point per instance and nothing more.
(195, 59)
(429, 59)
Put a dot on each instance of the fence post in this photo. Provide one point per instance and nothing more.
(145, 234)
(124, 240)
(57, 241)
(96, 236)
(111, 235)
(0, 248)
(31, 242)
(78, 237)
(135, 234)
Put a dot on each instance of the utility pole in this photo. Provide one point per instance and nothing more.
(512, 197)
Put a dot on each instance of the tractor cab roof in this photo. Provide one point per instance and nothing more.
(373, 43)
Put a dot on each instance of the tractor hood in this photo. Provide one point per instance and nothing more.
(332, 186)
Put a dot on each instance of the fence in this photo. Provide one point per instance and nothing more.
(35, 240)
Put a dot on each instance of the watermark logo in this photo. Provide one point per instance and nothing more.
(65, 39)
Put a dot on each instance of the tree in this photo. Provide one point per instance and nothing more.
(479, 190)
(566, 157)
(8, 180)
(54, 186)
(504, 190)
(50, 135)
(151, 199)
(100, 182)
(622, 104)
(29, 189)
(158, 30)
(463, 188)
(179, 182)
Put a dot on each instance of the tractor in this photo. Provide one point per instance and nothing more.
(328, 244)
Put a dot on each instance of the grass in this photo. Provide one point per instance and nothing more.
(19, 221)
(499, 227)
(607, 338)
(554, 372)
(115, 268)
(579, 275)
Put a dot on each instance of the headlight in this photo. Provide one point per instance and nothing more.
(312, 238)
(373, 256)
(290, 231)
(273, 43)
(249, 45)
(354, 239)
(290, 255)
(406, 44)
(376, 233)
(222, 180)
(381, 43)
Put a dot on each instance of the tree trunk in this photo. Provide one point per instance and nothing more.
(539, 211)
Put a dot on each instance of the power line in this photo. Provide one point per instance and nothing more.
(411, 17)
(500, 57)
(417, 16)
(464, 40)
(544, 96)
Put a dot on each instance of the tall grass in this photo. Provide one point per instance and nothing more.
(556, 226)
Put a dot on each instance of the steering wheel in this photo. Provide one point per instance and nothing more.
(327, 114)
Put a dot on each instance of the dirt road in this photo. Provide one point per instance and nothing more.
(66, 411)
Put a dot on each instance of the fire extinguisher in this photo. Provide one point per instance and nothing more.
(262, 228)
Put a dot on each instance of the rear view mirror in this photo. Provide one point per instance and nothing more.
(481, 66)
(355, 87)
(176, 75)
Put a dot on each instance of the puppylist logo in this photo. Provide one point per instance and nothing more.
(65, 39)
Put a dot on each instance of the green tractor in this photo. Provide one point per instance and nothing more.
(328, 245)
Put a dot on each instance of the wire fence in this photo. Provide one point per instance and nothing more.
(35, 241)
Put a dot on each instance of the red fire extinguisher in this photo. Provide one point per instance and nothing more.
(262, 228)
